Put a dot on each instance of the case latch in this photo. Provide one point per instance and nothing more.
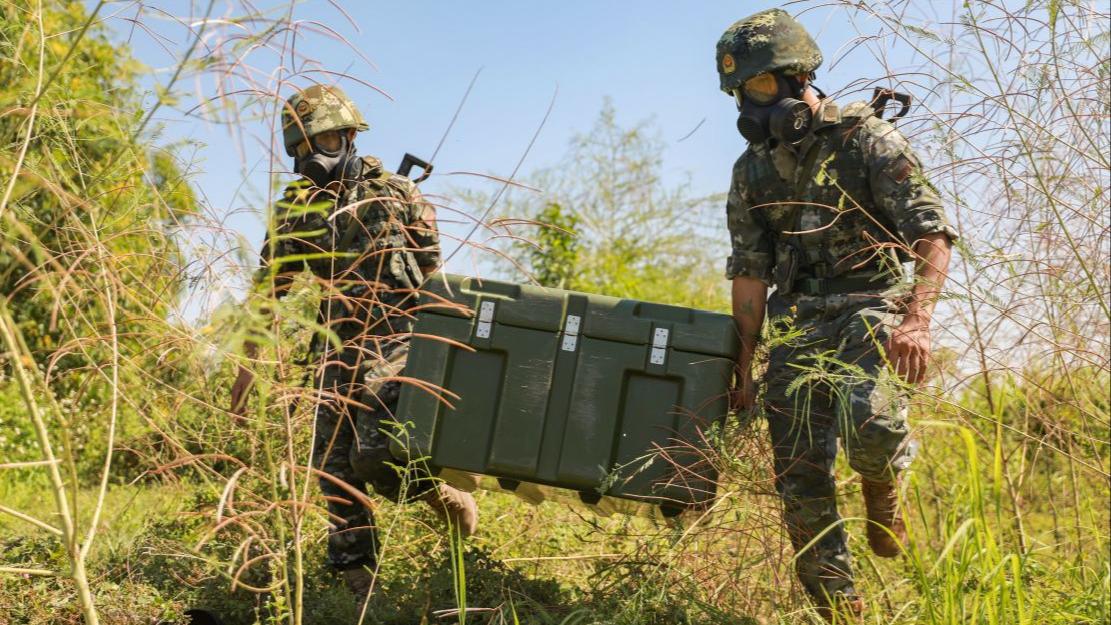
(485, 320)
(571, 332)
(659, 346)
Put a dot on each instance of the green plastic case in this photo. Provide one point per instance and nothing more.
(545, 389)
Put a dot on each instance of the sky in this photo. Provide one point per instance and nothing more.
(654, 60)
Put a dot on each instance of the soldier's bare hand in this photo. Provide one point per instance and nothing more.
(243, 381)
(743, 394)
(908, 349)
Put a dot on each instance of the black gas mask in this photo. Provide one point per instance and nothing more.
(772, 108)
(334, 163)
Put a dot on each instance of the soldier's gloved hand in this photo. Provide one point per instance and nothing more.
(908, 349)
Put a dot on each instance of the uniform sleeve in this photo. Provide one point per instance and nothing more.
(422, 230)
(298, 235)
(899, 188)
(751, 251)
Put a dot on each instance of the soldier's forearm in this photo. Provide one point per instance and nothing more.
(749, 301)
(932, 252)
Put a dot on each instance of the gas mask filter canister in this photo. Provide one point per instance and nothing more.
(323, 166)
(772, 111)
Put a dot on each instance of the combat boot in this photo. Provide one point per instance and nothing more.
(886, 531)
(454, 507)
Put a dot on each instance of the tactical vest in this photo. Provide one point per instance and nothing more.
(824, 223)
(373, 263)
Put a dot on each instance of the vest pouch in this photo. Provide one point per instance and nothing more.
(836, 265)
(392, 243)
(415, 274)
(786, 268)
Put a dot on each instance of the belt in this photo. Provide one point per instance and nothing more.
(835, 286)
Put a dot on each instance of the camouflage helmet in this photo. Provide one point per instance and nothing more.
(318, 109)
(768, 41)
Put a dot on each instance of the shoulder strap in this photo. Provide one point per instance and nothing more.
(828, 115)
(856, 111)
(852, 118)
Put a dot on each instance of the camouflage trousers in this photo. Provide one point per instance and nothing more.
(831, 382)
(352, 447)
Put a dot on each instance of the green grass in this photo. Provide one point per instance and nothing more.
(554, 564)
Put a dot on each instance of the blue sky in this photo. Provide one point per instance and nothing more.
(654, 60)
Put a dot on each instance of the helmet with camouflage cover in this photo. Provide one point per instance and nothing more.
(768, 41)
(318, 109)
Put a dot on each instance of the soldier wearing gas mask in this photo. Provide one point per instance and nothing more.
(826, 205)
(369, 240)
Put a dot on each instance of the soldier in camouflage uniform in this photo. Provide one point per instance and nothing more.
(826, 204)
(370, 240)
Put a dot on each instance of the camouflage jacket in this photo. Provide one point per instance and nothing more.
(365, 246)
(849, 201)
